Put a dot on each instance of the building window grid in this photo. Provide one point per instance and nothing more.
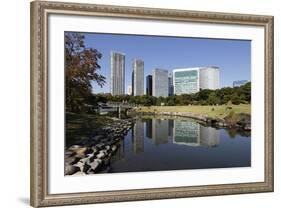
(186, 82)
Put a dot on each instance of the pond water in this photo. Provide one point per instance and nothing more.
(155, 144)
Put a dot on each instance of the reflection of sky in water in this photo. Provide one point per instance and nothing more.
(167, 144)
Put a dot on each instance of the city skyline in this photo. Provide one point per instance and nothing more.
(232, 56)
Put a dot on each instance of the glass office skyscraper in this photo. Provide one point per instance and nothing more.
(170, 84)
(186, 81)
(138, 77)
(209, 78)
(239, 83)
(160, 82)
(117, 73)
(191, 80)
(149, 84)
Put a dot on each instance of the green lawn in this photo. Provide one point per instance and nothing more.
(212, 111)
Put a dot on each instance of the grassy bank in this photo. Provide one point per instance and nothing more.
(82, 125)
(85, 121)
(220, 111)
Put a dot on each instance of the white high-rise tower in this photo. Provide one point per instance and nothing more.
(117, 75)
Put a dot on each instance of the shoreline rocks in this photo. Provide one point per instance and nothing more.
(93, 154)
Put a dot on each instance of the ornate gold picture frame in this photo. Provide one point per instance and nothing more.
(40, 12)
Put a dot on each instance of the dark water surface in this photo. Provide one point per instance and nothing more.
(155, 144)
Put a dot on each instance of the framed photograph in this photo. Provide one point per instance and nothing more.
(144, 103)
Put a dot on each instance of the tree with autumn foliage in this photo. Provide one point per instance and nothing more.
(81, 65)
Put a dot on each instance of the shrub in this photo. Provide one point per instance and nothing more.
(232, 118)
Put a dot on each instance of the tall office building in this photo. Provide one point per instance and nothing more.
(209, 78)
(239, 83)
(129, 90)
(138, 77)
(170, 84)
(149, 84)
(191, 80)
(133, 78)
(159, 82)
(117, 75)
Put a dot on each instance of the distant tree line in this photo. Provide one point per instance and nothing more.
(226, 95)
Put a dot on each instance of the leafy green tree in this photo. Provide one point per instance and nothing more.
(246, 90)
(148, 100)
(81, 65)
(170, 101)
(243, 99)
(235, 99)
(213, 99)
(132, 100)
(204, 94)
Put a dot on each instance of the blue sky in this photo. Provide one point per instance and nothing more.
(232, 56)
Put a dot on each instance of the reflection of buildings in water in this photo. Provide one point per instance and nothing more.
(160, 131)
(148, 128)
(186, 133)
(193, 134)
(210, 137)
(119, 154)
(138, 136)
(171, 127)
